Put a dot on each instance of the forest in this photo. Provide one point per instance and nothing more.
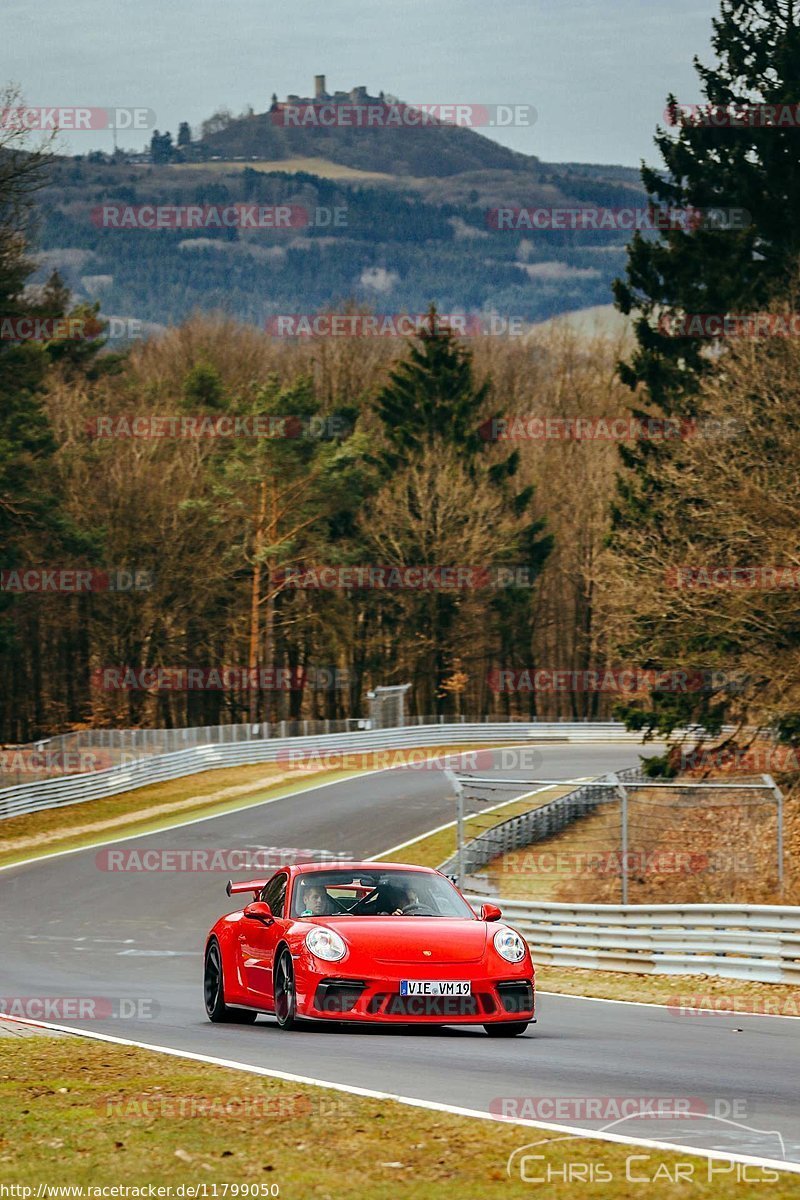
(217, 525)
(391, 243)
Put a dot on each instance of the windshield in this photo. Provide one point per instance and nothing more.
(376, 894)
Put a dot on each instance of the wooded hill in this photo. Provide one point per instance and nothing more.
(403, 243)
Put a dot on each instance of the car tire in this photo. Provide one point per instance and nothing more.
(285, 994)
(507, 1029)
(214, 991)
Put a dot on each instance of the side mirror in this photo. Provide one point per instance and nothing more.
(490, 912)
(259, 911)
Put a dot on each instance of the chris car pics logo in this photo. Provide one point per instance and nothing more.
(543, 1161)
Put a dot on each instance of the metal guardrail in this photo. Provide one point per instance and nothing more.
(759, 942)
(536, 824)
(85, 751)
(88, 750)
(73, 789)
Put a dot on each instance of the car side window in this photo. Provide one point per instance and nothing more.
(274, 893)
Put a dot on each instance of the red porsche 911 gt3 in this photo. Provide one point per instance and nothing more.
(372, 942)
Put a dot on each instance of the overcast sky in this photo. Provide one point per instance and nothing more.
(597, 71)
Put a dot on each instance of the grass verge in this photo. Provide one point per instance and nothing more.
(678, 991)
(207, 793)
(77, 1112)
(684, 847)
(433, 848)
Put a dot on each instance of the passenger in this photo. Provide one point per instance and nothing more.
(316, 902)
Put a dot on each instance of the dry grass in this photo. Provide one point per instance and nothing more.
(206, 793)
(321, 167)
(433, 849)
(86, 1113)
(675, 991)
(683, 848)
(512, 881)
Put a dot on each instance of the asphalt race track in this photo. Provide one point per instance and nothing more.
(70, 928)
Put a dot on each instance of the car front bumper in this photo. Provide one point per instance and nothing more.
(336, 996)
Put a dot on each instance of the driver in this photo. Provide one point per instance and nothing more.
(405, 897)
(388, 899)
(316, 902)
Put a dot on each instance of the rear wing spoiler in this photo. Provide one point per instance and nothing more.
(252, 885)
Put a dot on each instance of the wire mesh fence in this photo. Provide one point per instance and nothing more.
(626, 839)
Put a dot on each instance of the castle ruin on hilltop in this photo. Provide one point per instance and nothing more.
(356, 95)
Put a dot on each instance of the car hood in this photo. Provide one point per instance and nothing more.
(407, 939)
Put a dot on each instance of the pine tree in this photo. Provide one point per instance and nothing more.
(432, 394)
(26, 440)
(33, 526)
(707, 167)
(708, 164)
(161, 149)
(203, 388)
(433, 401)
(30, 526)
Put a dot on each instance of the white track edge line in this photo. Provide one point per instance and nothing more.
(715, 1012)
(571, 995)
(229, 812)
(363, 775)
(413, 1102)
(493, 808)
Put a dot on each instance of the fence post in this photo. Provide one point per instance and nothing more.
(778, 794)
(623, 793)
(459, 791)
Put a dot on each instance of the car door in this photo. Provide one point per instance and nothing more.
(257, 942)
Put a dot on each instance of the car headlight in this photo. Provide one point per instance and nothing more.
(509, 945)
(325, 943)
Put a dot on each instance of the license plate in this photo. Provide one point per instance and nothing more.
(435, 987)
